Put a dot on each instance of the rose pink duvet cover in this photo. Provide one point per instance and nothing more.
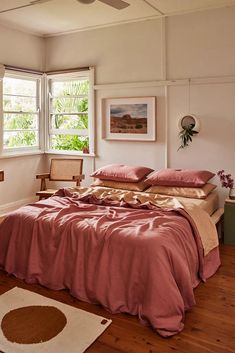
(132, 260)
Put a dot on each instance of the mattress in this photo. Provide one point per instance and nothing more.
(210, 204)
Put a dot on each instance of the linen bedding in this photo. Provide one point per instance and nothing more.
(210, 204)
(130, 252)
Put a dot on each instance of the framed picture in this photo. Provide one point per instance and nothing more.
(129, 118)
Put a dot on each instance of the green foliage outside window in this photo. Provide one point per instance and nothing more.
(13, 101)
(72, 98)
(68, 97)
(21, 139)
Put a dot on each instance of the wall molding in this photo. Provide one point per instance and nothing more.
(9, 207)
(157, 83)
(163, 83)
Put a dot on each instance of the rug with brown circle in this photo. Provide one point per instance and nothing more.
(31, 323)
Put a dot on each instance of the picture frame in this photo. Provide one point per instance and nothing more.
(129, 119)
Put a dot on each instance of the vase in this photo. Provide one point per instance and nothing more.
(231, 194)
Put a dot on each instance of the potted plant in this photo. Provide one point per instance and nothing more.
(227, 182)
(186, 135)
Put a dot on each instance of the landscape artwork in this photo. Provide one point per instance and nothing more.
(128, 118)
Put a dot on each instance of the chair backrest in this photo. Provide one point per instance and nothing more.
(65, 169)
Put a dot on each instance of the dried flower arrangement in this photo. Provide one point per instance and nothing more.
(226, 179)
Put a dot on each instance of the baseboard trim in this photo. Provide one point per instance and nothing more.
(8, 207)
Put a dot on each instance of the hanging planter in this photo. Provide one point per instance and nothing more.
(189, 125)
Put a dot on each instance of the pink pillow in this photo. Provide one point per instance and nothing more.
(180, 177)
(120, 172)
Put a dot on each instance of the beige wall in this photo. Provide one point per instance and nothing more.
(21, 49)
(203, 45)
(24, 50)
(127, 53)
(198, 45)
(20, 184)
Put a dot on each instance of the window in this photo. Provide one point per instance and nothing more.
(70, 112)
(56, 117)
(21, 112)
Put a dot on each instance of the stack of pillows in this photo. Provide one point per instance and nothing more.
(172, 182)
(119, 176)
(181, 182)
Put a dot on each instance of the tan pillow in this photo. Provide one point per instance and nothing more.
(140, 186)
(194, 193)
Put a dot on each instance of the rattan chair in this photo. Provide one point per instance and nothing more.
(60, 170)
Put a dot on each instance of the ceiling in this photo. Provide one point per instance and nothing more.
(55, 17)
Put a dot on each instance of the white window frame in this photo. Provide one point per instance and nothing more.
(67, 76)
(39, 93)
(44, 116)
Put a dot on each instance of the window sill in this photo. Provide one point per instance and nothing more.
(38, 152)
(20, 154)
(70, 153)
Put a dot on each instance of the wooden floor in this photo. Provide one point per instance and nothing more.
(209, 327)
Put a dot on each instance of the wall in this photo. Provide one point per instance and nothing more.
(134, 53)
(201, 44)
(119, 54)
(24, 50)
(131, 58)
(21, 49)
(20, 184)
(196, 47)
(125, 53)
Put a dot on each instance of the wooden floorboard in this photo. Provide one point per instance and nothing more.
(209, 326)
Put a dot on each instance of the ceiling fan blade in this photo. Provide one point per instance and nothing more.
(34, 2)
(86, 2)
(117, 4)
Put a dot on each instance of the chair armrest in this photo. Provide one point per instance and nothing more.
(43, 176)
(78, 178)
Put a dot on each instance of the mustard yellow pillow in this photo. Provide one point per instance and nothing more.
(139, 186)
(194, 193)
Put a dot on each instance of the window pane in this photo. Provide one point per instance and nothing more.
(69, 105)
(19, 86)
(69, 122)
(70, 88)
(20, 139)
(20, 98)
(20, 121)
(19, 104)
(69, 142)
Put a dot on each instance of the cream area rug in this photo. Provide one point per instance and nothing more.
(31, 323)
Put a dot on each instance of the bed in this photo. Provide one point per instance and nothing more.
(131, 252)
